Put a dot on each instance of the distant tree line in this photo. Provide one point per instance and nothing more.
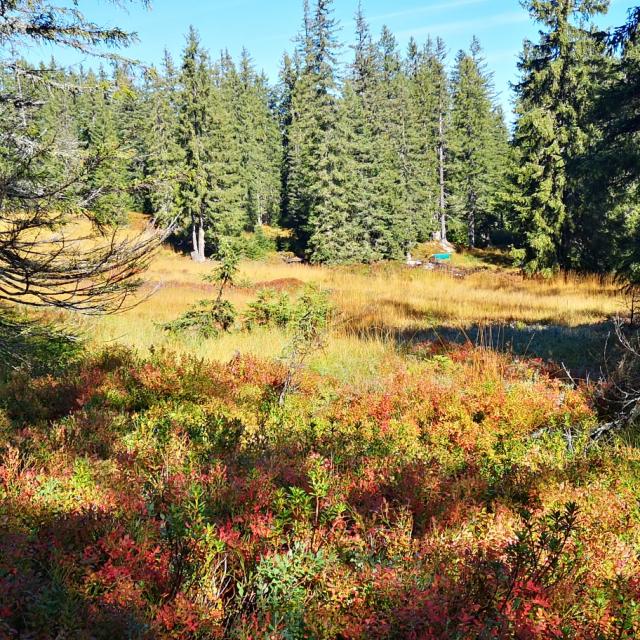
(362, 161)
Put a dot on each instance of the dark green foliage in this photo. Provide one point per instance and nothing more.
(165, 157)
(35, 346)
(354, 165)
(363, 163)
(269, 309)
(306, 317)
(109, 178)
(614, 159)
(132, 122)
(260, 144)
(553, 132)
(207, 319)
(478, 150)
(364, 175)
(309, 326)
(195, 125)
(315, 212)
(256, 245)
(428, 99)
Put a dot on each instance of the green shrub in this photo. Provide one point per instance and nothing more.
(257, 245)
(208, 318)
(270, 308)
(284, 584)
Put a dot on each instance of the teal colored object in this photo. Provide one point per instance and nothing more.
(442, 256)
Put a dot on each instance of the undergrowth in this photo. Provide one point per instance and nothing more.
(171, 497)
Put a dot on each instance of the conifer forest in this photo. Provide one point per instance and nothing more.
(346, 352)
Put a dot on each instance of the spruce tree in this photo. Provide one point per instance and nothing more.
(554, 94)
(225, 197)
(194, 126)
(56, 123)
(437, 62)
(426, 81)
(312, 181)
(210, 194)
(288, 78)
(131, 122)
(360, 96)
(478, 143)
(107, 183)
(613, 162)
(164, 157)
(260, 145)
(339, 233)
(394, 231)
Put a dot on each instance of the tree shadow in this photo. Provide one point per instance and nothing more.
(496, 257)
(405, 309)
(40, 588)
(35, 344)
(587, 351)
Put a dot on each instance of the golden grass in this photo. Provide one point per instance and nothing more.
(397, 298)
(375, 304)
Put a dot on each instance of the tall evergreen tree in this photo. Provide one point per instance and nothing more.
(443, 98)
(210, 195)
(558, 74)
(131, 122)
(360, 108)
(107, 183)
(260, 145)
(195, 125)
(393, 232)
(57, 123)
(478, 147)
(226, 191)
(428, 99)
(615, 161)
(288, 78)
(311, 180)
(165, 157)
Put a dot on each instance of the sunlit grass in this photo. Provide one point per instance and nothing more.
(376, 305)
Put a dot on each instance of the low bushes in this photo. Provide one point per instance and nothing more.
(171, 497)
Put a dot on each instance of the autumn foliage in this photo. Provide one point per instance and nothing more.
(456, 497)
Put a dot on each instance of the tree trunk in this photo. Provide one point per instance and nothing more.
(194, 238)
(443, 198)
(201, 241)
(471, 222)
(259, 217)
(197, 233)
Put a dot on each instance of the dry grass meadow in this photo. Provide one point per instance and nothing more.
(380, 308)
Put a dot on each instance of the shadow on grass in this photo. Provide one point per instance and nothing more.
(587, 351)
(497, 257)
(34, 344)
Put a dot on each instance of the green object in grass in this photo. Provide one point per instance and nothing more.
(441, 256)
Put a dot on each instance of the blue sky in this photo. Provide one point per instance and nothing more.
(267, 28)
